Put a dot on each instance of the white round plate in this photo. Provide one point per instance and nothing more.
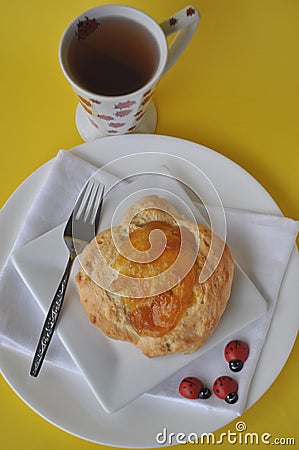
(63, 397)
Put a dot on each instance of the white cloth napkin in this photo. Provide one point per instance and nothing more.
(262, 245)
(52, 206)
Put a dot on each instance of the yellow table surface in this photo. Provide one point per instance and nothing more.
(235, 90)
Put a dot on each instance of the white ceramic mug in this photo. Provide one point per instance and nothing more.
(104, 115)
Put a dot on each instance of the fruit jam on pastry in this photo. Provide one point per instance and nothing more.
(156, 315)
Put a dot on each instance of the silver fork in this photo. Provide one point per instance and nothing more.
(79, 230)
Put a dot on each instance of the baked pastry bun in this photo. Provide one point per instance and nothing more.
(140, 284)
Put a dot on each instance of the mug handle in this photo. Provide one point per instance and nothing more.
(185, 23)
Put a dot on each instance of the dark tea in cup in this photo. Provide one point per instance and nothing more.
(112, 56)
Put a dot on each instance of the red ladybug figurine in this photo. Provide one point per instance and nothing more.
(226, 388)
(236, 353)
(86, 27)
(191, 387)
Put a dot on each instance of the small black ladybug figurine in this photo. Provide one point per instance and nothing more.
(236, 353)
(191, 387)
(226, 388)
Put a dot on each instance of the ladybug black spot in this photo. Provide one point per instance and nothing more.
(217, 390)
(190, 392)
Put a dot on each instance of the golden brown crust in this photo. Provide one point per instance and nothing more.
(109, 312)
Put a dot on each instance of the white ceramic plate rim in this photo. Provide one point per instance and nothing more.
(147, 415)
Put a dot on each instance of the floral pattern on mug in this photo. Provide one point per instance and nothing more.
(84, 100)
(105, 117)
(173, 21)
(93, 123)
(117, 125)
(126, 104)
(123, 112)
(95, 101)
(86, 109)
(147, 99)
(190, 11)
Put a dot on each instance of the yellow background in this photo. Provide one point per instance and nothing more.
(235, 90)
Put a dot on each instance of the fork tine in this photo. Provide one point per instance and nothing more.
(97, 206)
(93, 204)
(82, 199)
(89, 202)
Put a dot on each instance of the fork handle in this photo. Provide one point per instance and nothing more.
(50, 321)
